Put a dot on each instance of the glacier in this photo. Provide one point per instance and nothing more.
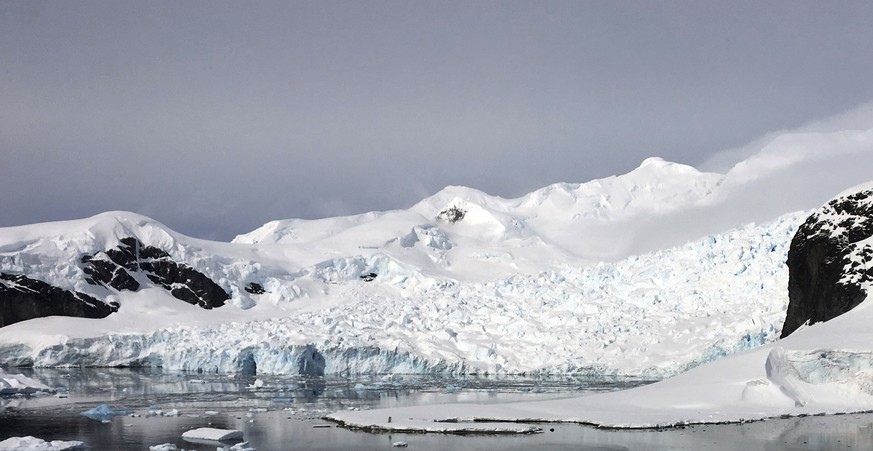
(651, 315)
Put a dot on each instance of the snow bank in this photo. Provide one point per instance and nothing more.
(822, 369)
(31, 443)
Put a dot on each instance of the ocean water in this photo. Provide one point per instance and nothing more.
(284, 413)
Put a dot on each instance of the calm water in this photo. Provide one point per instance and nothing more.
(281, 413)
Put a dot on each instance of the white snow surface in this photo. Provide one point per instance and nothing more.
(646, 273)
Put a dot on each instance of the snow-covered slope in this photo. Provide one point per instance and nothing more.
(592, 220)
(648, 272)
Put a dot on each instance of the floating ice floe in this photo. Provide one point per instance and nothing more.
(104, 413)
(241, 446)
(212, 435)
(31, 443)
(163, 447)
(157, 411)
(12, 384)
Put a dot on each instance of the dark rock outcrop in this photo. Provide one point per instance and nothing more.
(255, 288)
(113, 268)
(106, 272)
(829, 263)
(23, 298)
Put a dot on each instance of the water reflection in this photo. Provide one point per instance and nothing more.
(271, 410)
(279, 412)
(144, 386)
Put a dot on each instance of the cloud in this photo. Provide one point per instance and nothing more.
(216, 118)
(845, 132)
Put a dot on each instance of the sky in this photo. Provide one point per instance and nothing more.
(216, 117)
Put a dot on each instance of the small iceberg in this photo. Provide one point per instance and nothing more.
(104, 413)
(32, 443)
(17, 384)
(210, 436)
(241, 446)
(164, 447)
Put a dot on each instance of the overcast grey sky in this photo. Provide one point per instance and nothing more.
(215, 117)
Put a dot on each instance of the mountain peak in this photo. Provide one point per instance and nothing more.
(654, 161)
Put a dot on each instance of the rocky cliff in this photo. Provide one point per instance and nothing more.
(23, 297)
(830, 261)
(113, 267)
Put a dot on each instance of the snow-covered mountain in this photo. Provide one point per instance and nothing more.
(649, 272)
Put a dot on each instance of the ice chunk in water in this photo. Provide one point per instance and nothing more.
(103, 413)
(212, 434)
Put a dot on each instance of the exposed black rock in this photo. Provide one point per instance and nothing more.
(369, 277)
(827, 262)
(23, 298)
(107, 272)
(113, 267)
(452, 214)
(255, 288)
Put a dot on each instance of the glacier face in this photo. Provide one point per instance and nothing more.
(654, 314)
